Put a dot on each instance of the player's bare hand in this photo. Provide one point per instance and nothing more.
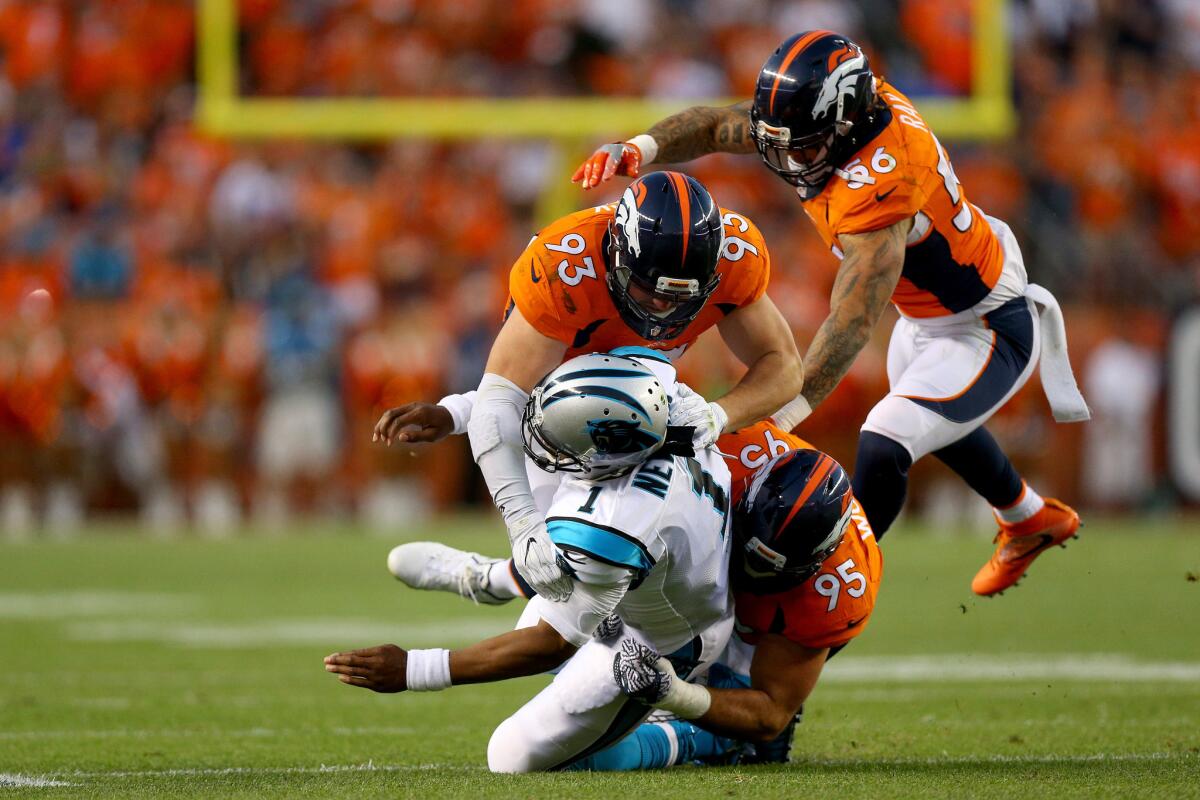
(618, 158)
(380, 669)
(413, 422)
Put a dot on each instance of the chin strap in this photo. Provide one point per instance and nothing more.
(678, 441)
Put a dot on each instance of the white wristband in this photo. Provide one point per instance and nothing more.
(793, 413)
(684, 700)
(459, 406)
(428, 670)
(645, 142)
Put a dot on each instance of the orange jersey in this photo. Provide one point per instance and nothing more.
(560, 283)
(953, 259)
(748, 449)
(830, 608)
(833, 606)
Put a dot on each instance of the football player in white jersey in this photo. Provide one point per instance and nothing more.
(641, 528)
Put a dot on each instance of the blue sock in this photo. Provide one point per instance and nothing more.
(648, 747)
(697, 744)
(658, 745)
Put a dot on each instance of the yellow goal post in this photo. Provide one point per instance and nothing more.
(572, 124)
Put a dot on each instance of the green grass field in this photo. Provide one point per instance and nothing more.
(135, 667)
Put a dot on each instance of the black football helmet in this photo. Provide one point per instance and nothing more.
(791, 518)
(814, 107)
(663, 246)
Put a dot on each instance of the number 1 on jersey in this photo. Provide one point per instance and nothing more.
(590, 505)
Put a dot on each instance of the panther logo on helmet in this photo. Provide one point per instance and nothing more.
(620, 436)
(627, 218)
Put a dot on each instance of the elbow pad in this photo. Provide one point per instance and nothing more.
(496, 415)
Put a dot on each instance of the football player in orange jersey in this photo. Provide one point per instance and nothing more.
(805, 572)
(654, 270)
(881, 192)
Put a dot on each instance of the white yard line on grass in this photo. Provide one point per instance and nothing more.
(329, 632)
(73, 604)
(967, 668)
(183, 733)
(217, 772)
(10, 780)
(205, 772)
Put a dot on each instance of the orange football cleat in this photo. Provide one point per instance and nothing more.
(1019, 543)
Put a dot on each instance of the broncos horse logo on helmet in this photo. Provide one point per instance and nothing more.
(814, 107)
(663, 248)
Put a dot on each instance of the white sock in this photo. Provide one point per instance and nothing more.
(1028, 504)
(501, 582)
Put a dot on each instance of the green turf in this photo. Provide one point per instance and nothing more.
(134, 667)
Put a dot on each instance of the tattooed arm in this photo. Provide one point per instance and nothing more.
(689, 134)
(870, 269)
(701, 130)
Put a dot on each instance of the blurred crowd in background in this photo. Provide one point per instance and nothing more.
(202, 331)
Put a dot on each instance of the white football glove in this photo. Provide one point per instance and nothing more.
(537, 558)
(689, 409)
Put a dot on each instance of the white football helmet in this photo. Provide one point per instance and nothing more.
(599, 414)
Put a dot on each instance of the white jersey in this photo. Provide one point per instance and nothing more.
(659, 536)
(652, 545)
